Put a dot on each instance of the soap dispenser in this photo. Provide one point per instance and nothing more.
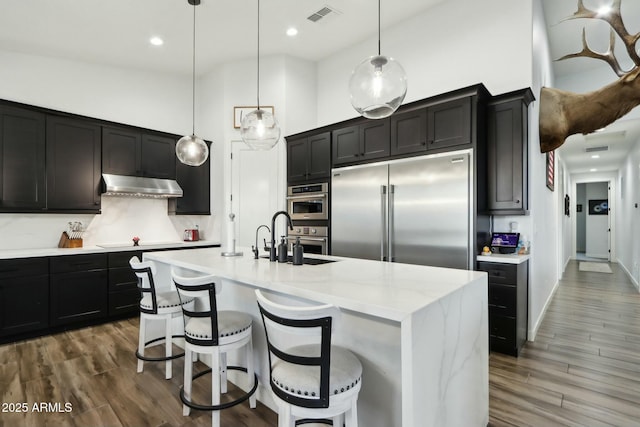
(282, 250)
(298, 252)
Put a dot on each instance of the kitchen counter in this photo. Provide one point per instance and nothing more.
(420, 332)
(503, 258)
(115, 247)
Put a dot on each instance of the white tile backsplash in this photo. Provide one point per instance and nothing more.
(121, 219)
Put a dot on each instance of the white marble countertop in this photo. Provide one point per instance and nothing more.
(391, 291)
(503, 258)
(111, 247)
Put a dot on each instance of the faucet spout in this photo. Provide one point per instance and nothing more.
(272, 251)
(255, 249)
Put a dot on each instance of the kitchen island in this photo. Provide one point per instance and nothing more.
(420, 332)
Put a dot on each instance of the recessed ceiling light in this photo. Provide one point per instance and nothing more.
(595, 156)
(593, 170)
(292, 31)
(156, 41)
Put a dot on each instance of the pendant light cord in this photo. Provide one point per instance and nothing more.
(258, 76)
(193, 76)
(378, 27)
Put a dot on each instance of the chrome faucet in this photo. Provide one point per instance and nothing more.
(272, 251)
(255, 249)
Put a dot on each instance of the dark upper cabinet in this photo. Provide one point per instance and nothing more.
(409, 132)
(449, 124)
(194, 181)
(367, 141)
(22, 159)
(73, 164)
(309, 158)
(507, 153)
(130, 152)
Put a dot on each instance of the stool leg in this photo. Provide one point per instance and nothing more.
(248, 351)
(337, 421)
(168, 341)
(188, 369)
(141, 340)
(215, 387)
(285, 419)
(223, 373)
(351, 416)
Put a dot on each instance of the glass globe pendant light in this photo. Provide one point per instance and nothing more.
(191, 149)
(259, 129)
(377, 85)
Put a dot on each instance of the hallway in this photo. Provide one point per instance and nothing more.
(584, 367)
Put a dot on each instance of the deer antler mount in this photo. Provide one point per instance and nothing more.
(565, 113)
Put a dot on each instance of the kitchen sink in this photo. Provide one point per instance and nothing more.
(305, 260)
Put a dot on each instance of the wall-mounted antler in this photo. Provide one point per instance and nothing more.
(564, 113)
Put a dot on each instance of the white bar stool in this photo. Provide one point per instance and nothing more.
(156, 306)
(214, 333)
(311, 380)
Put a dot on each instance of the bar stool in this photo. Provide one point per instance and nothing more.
(155, 306)
(214, 333)
(311, 380)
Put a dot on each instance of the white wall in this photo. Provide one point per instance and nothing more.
(455, 44)
(628, 216)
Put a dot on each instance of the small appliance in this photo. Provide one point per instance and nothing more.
(191, 235)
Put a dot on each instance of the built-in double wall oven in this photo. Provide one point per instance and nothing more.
(308, 207)
(308, 202)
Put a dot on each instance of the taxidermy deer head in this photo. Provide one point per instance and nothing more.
(564, 113)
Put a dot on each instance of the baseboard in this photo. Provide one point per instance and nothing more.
(629, 275)
(531, 333)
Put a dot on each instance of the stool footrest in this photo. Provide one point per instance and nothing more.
(314, 421)
(159, 359)
(225, 405)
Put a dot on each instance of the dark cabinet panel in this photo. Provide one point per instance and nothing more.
(368, 141)
(73, 164)
(195, 184)
(508, 305)
(121, 151)
(158, 156)
(22, 160)
(124, 296)
(131, 152)
(409, 132)
(78, 288)
(507, 153)
(309, 158)
(24, 295)
(449, 124)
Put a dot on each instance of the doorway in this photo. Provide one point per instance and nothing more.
(593, 221)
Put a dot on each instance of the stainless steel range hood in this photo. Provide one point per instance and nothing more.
(135, 186)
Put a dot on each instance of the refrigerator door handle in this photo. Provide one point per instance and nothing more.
(383, 222)
(392, 189)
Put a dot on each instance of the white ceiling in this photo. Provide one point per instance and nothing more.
(117, 32)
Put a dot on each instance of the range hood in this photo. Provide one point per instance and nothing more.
(136, 186)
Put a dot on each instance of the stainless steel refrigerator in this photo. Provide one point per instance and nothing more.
(416, 211)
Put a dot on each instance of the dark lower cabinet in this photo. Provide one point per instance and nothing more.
(24, 295)
(22, 160)
(73, 164)
(78, 288)
(124, 296)
(508, 305)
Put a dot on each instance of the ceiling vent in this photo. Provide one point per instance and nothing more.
(322, 14)
(594, 149)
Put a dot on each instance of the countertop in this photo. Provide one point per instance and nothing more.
(109, 247)
(391, 291)
(503, 258)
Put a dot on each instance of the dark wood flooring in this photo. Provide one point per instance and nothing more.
(582, 370)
